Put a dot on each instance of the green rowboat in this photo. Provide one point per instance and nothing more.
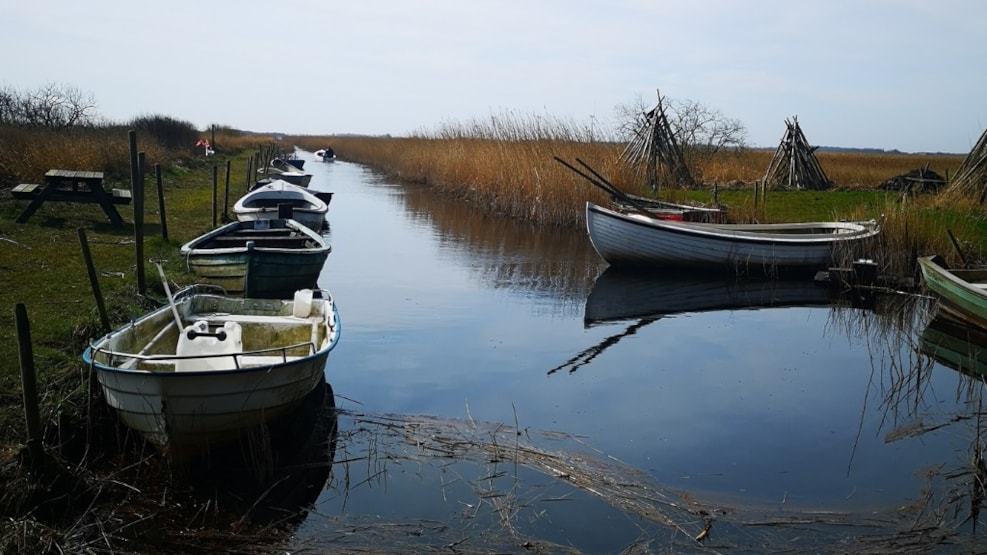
(962, 292)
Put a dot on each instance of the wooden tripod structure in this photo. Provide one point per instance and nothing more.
(794, 165)
(655, 149)
(971, 175)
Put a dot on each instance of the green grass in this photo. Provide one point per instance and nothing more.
(43, 268)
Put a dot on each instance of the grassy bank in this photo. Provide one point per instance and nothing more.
(83, 497)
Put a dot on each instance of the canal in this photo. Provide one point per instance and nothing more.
(499, 389)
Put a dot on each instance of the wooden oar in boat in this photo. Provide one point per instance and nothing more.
(607, 187)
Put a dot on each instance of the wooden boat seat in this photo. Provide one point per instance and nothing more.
(275, 202)
(274, 231)
(217, 319)
(279, 242)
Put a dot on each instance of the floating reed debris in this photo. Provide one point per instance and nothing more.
(521, 477)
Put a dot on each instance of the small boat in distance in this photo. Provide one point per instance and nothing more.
(325, 155)
(624, 239)
(269, 201)
(206, 368)
(259, 258)
(962, 292)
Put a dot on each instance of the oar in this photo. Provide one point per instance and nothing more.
(608, 188)
(612, 187)
(626, 198)
(171, 300)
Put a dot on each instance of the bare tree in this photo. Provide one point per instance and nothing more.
(53, 105)
(699, 126)
(9, 106)
(700, 131)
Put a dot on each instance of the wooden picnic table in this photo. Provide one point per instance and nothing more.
(72, 186)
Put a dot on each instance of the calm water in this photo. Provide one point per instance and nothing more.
(479, 322)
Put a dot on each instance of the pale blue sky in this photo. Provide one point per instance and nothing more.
(904, 74)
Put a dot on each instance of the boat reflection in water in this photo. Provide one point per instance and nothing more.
(961, 346)
(622, 295)
(641, 298)
(272, 478)
(956, 345)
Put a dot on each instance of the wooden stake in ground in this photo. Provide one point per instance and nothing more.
(29, 384)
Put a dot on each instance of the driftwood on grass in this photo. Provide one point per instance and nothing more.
(921, 180)
(794, 165)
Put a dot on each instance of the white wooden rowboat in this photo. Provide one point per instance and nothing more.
(624, 239)
(264, 203)
(235, 364)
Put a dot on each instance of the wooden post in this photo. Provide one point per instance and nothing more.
(139, 225)
(134, 186)
(764, 199)
(161, 202)
(93, 280)
(29, 385)
(215, 185)
(226, 189)
(250, 170)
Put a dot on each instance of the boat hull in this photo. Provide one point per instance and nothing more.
(185, 410)
(963, 292)
(263, 203)
(634, 240)
(255, 270)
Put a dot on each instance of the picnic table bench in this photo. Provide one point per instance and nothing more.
(71, 186)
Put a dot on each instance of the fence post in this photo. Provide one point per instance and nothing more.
(161, 202)
(29, 384)
(139, 225)
(93, 279)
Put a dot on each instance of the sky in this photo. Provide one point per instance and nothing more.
(888, 74)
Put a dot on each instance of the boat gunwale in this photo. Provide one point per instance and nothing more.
(731, 233)
(192, 247)
(328, 319)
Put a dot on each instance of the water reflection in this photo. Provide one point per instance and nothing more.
(273, 476)
(620, 295)
(624, 294)
(957, 345)
(555, 263)
(907, 387)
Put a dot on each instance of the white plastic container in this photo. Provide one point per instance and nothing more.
(205, 345)
(303, 303)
